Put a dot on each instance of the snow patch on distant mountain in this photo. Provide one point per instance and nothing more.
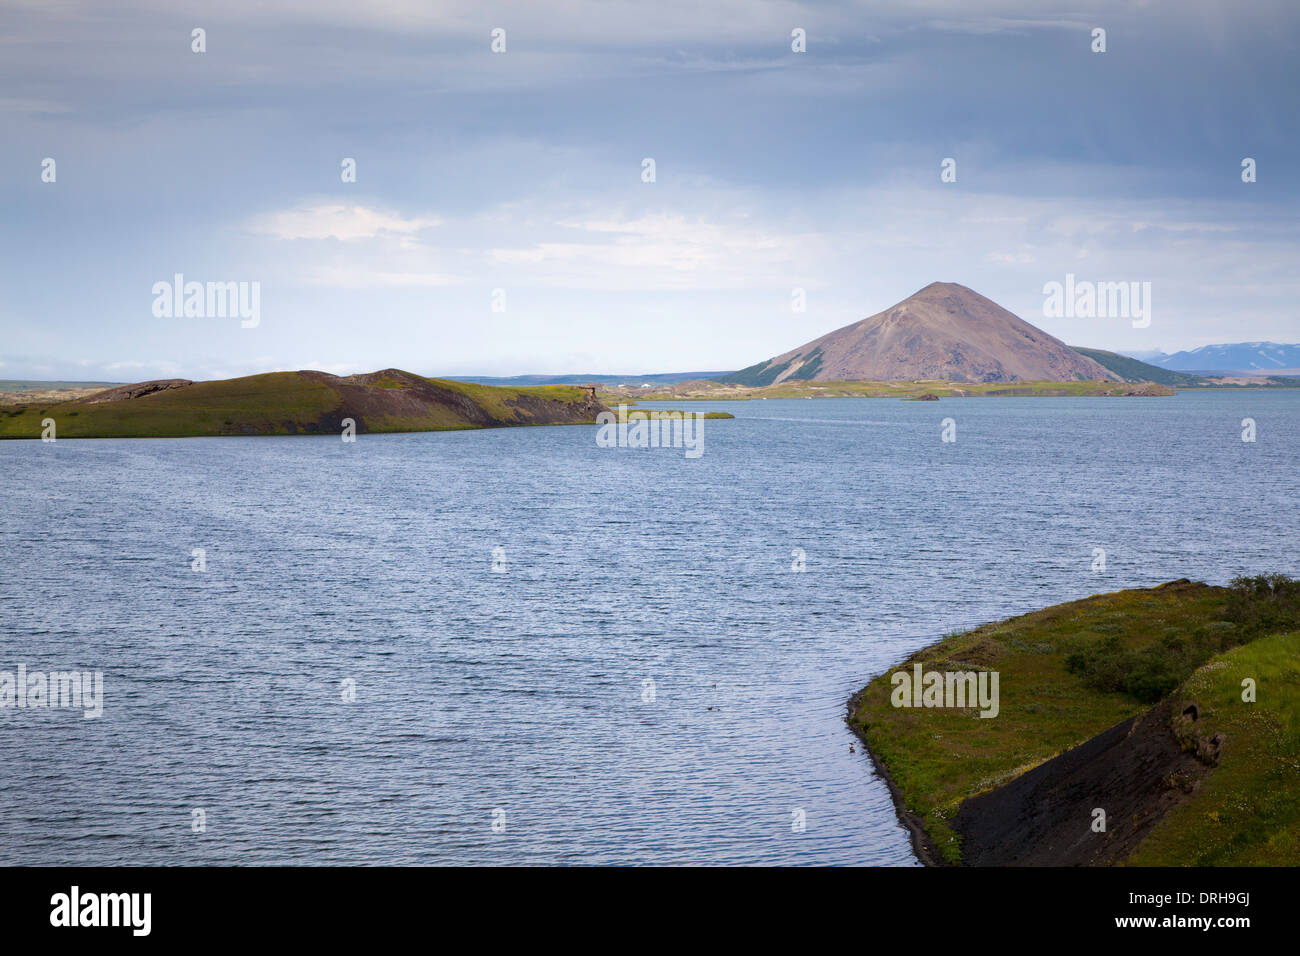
(1233, 357)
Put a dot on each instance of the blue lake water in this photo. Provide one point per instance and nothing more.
(522, 690)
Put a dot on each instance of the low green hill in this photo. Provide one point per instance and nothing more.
(1247, 812)
(1131, 370)
(1070, 673)
(306, 402)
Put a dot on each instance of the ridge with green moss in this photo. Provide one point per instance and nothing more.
(295, 403)
(1073, 672)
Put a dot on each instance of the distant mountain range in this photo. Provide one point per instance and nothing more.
(1258, 358)
(944, 331)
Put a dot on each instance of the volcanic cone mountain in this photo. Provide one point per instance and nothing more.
(945, 331)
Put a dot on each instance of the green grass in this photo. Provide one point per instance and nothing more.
(266, 401)
(1247, 811)
(498, 401)
(1049, 702)
(756, 376)
(280, 403)
(1132, 370)
(1148, 672)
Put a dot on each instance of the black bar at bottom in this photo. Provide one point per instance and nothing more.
(334, 905)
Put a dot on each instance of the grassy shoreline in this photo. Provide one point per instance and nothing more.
(1072, 672)
(720, 391)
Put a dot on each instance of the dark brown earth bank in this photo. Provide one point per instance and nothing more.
(1134, 773)
(1154, 726)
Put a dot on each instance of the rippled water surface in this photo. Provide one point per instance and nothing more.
(523, 690)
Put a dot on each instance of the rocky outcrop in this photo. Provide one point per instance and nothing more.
(121, 393)
(1135, 773)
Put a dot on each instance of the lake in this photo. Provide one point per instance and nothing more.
(644, 679)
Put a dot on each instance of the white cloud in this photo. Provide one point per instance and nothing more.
(339, 221)
(11, 104)
(665, 250)
(362, 277)
(980, 25)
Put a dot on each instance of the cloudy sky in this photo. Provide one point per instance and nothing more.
(522, 171)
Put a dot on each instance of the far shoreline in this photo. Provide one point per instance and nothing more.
(928, 389)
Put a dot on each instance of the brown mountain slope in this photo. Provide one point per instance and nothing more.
(945, 331)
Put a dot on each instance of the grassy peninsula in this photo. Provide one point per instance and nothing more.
(305, 402)
(1142, 689)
